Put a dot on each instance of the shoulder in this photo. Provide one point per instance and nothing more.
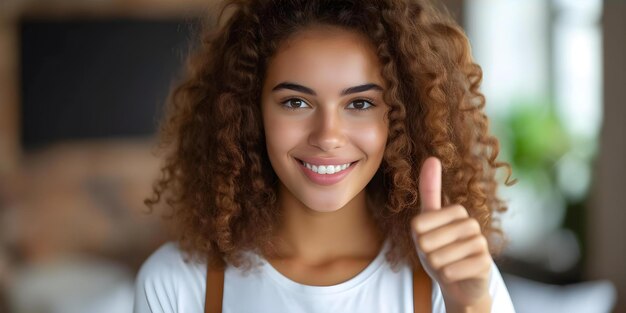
(167, 260)
(167, 282)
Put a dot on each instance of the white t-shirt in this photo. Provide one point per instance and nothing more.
(166, 283)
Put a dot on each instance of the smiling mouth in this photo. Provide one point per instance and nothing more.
(327, 169)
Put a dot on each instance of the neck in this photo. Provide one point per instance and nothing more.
(318, 237)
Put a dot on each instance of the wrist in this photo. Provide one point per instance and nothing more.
(483, 305)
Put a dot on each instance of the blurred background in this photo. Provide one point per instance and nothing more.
(82, 88)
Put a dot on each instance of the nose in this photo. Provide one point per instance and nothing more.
(327, 131)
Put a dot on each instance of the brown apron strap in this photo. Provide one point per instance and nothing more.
(422, 291)
(214, 290)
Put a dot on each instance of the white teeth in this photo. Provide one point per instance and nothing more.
(326, 169)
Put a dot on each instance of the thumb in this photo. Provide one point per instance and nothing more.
(430, 184)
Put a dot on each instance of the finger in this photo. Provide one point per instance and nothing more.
(447, 234)
(457, 251)
(430, 184)
(424, 223)
(473, 267)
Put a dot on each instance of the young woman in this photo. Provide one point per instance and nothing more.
(328, 156)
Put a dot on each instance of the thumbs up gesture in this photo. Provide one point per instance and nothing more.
(450, 246)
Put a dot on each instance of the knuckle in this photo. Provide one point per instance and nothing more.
(460, 210)
(419, 225)
(486, 267)
(486, 259)
(473, 225)
(422, 244)
(434, 261)
(446, 274)
(414, 223)
(482, 242)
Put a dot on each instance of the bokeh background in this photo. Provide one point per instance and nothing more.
(83, 85)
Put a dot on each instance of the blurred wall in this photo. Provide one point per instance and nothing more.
(72, 222)
(13, 11)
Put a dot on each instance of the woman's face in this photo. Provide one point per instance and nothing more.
(324, 117)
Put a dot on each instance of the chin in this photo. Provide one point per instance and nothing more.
(324, 206)
(325, 209)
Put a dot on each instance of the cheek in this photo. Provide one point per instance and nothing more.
(281, 134)
(372, 139)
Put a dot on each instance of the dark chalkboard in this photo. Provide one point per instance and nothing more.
(84, 79)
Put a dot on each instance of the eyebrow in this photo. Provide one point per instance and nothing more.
(307, 90)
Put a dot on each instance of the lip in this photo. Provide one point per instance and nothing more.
(325, 161)
(325, 179)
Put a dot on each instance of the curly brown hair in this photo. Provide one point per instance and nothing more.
(217, 177)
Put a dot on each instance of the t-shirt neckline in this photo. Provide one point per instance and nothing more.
(360, 278)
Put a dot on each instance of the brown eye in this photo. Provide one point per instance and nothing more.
(294, 103)
(361, 104)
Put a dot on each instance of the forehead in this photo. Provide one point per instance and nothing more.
(325, 55)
